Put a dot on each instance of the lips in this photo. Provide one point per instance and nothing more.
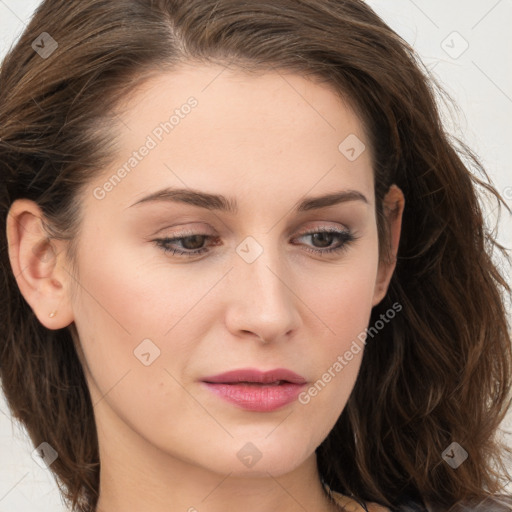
(254, 390)
(256, 376)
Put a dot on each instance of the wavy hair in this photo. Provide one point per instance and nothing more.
(440, 372)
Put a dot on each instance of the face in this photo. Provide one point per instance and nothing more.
(174, 289)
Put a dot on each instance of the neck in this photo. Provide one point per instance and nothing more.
(136, 475)
(183, 487)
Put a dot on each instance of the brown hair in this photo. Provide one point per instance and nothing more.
(439, 372)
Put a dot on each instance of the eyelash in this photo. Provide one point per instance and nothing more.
(346, 237)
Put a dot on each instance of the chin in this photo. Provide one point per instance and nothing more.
(260, 457)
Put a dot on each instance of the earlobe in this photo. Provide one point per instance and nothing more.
(393, 206)
(36, 262)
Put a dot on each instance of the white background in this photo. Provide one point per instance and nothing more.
(480, 81)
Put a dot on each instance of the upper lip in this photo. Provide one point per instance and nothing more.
(255, 375)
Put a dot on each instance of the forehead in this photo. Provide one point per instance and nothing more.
(245, 131)
(235, 97)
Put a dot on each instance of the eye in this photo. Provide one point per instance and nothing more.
(192, 244)
(326, 237)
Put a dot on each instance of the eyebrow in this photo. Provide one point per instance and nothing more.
(223, 204)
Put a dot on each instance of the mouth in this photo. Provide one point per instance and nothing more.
(255, 390)
(248, 383)
(254, 376)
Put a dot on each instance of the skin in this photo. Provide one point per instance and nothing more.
(166, 442)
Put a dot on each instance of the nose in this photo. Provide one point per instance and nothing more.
(261, 302)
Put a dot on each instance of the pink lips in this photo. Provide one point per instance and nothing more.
(254, 390)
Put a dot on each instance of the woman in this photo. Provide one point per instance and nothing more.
(246, 267)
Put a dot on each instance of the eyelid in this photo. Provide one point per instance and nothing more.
(324, 228)
(185, 232)
(199, 228)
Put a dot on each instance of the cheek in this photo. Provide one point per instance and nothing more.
(343, 303)
(122, 303)
(136, 333)
(127, 298)
(118, 307)
(342, 295)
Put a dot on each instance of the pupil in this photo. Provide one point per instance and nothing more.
(198, 239)
(325, 238)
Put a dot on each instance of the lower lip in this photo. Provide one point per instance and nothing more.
(257, 397)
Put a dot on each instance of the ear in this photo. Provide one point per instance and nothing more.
(393, 207)
(38, 265)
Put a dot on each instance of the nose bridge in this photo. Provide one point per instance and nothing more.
(263, 302)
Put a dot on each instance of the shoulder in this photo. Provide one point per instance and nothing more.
(375, 507)
(351, 505)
